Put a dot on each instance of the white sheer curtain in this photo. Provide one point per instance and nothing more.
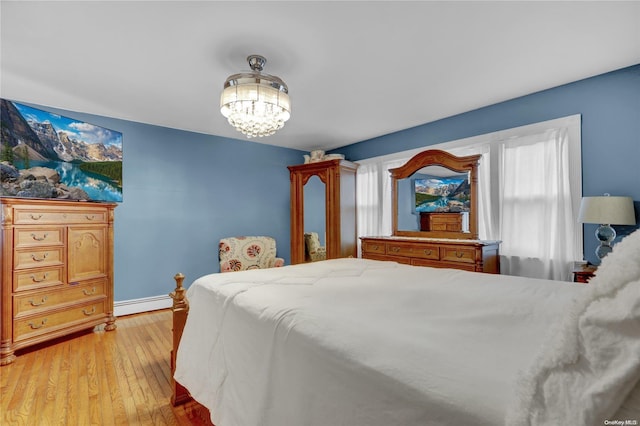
(535, 208)
(530, 186)
(373, 190)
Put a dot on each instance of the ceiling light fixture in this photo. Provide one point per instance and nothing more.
(255, 104)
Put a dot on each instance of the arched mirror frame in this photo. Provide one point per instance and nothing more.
(436, 157)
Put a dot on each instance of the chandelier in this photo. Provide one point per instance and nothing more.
(255, 104)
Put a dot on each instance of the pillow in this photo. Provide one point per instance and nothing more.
(312, 241)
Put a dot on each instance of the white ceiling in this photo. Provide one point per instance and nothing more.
(355, 70)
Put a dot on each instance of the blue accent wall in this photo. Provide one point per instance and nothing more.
(183, 192)
(610, 108)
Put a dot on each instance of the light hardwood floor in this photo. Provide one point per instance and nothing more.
(101, 378)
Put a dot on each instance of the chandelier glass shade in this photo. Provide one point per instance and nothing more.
(256, 104)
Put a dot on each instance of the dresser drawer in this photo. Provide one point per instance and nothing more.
(373, 247)
(26, 303)
(399, 249)
(30, 279)
(43, 236)
(386, 258)
(426, 252)
(32, 216)
(51, 321)
(38, 257)
(458, 254)
(451, 265)
(413, 250)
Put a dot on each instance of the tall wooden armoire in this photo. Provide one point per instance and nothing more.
(339, 179)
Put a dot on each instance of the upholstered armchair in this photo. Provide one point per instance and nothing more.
(242, 253)
(313, 250)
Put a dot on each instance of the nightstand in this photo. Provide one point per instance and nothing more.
(583, 273)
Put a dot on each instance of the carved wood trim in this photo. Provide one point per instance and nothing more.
(435, 157)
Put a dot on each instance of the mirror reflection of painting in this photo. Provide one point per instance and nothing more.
(45, 155)
(435, 194)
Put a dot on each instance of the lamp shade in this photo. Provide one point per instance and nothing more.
(607, 210)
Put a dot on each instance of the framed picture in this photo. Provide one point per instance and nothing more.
(45, 155)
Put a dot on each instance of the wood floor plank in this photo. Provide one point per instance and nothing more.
(62, 389)
(135, 378)
(46, 386)
(9, 383)
(73, 384)
(116, 390)
(107, 406)
(24, 412)
(115, 378)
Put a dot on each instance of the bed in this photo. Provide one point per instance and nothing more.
(364, 342)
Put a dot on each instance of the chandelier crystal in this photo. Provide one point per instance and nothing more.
(256, 104)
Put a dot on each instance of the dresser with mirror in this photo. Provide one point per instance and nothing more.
(435, 216)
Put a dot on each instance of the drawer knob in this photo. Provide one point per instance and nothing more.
(42, 301)
(91, 312)
(89, 217)
(89, 293)
(36, 280)
(375, 247)
(427, 252)
(35, 217)
(37, 326)
(395, 249)
(35, 259)
(459, 254)
(36, 238)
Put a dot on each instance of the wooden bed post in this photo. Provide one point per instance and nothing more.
(196, 413)
(180, 310)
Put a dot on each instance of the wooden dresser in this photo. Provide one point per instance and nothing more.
(57, 270)
(469, 255)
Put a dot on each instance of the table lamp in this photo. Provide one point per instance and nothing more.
(606, 211)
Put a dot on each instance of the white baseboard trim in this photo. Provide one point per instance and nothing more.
(146, 304)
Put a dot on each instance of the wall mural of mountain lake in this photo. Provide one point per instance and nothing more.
(442, 194)
(44, 155)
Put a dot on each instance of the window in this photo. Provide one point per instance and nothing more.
(530, 186)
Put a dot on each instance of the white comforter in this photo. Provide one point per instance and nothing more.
(588, 372)
(360, 342)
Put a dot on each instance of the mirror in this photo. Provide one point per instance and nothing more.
(314, 217)
(434, 195)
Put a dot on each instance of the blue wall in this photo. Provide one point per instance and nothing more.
(182, 192)
(610, 108)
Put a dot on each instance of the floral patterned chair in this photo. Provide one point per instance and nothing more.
(313, 250)
(242, 253)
